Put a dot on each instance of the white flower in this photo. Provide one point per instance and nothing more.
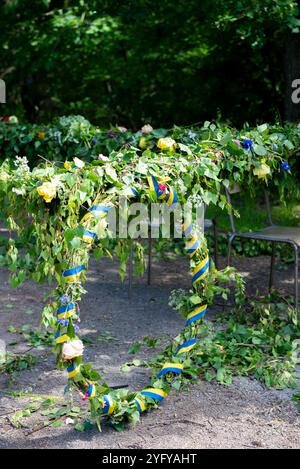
(69, 421)
(103, 157)
(72, 349)
(79, 163)
(122, 129)
(56, 181)
(21, 161)
(22, 168)
(18, 191)
(147, 129)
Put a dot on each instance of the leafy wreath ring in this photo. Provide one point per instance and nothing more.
(124, 405)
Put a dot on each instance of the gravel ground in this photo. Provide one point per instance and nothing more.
(243, 415)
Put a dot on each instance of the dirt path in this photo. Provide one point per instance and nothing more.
(244, 415)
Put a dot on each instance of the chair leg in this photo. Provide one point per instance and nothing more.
(229, 250)
(296, 277)
(271, 278)
(149, 270)
(216, 243)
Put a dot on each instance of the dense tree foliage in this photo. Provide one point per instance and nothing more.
(130, 61)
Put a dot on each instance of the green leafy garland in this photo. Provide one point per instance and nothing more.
(45, 204)
(74, 136)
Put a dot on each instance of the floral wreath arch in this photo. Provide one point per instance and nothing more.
(103, 400)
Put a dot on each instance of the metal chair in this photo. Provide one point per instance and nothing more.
(274, 234)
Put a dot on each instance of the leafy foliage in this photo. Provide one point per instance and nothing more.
(11, 363)
(258, 340)
(37, 338)
(131, 61)
(53, 196)
(58, 236)
(51, 413)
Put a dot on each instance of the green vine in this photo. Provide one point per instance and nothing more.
(45, 205)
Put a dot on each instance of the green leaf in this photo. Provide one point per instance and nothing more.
(259, 150)
(83, 426)
(262, 128)
(76, 409)
(134, 348)
(111, 173)
(195, 299)
(56, 424)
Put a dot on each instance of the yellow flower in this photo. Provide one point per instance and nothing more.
(164, 180)
(262, 171)
(41, 135)
(67, 165)
(166, 143)
(48, 191)
(143, 143)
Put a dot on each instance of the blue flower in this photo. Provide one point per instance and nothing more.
(65, 323)
(95, 140)
(64, 299)
(248, 144)
(285, 166)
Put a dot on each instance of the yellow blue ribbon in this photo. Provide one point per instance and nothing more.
(73, 370)
(172, 198)
(100, 211)
(192, 245)
(61, 338)
(134, 192)
(186, 346)
(155, 393)
(154, 187)
(196, 314)
(73, 275)
(201, 270)
(141, 406)
(89, 236)
(171, 368)
(108, 405)
(91, 392)
(187, 226)
(65, 312)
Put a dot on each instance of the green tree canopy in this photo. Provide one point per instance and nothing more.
(145, 60)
